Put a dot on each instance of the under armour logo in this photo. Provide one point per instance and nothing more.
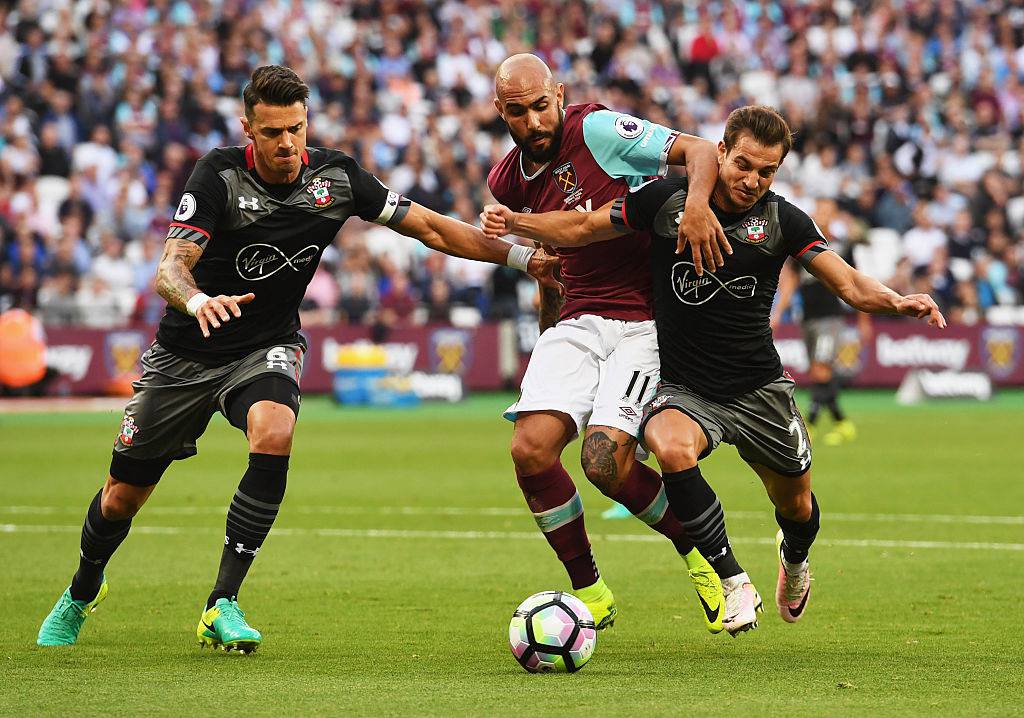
(693, 290)
(240, 548)
(259, 261)
(252, 204)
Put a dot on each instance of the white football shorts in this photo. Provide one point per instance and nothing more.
(599, 371)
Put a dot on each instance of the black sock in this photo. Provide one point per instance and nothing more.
(250, 516)
(695, 504)
(821, 393)
(798, 537)
(833, 401)
(100, 539)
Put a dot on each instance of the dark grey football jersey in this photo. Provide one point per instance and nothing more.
(713, 330)
(265, 239)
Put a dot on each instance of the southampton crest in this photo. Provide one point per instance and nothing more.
(756, 229)
(320, 188)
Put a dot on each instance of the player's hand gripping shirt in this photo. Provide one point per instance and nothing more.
(266, 239)
(602, 154)
(713, 331)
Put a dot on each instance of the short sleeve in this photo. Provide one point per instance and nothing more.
(372, 200)
(803, 239)
(201, 206)
(640, 207)
(626, 146)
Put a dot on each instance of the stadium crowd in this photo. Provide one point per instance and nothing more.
(909, 121)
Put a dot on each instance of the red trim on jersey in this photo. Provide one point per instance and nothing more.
(305, 157)
(250, 161)
(625, 213)
(802, 251)
(192, 227)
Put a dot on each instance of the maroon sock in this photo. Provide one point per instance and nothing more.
(558, 511)
(643, 493)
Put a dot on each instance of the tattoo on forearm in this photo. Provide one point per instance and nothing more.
(174, 281)
(550, 308)
(598, 461)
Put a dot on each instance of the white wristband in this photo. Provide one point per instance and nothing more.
(519, 256)
(193, 304)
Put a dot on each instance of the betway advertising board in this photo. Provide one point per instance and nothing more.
(92, 361)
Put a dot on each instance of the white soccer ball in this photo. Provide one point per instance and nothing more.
(552, 631)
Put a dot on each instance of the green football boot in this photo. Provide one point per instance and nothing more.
(600, 601)
(709, 590)
(223, 626)
(61, 626)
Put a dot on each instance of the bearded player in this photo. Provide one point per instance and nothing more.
(250, 230)
(596, 362)
(721, 377)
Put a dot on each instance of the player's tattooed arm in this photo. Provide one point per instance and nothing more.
(868, 294)
(175, 283)
(559, 229)
(550, 308)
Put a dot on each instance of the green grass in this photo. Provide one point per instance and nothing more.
(415, 624)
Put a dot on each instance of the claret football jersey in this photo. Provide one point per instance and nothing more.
(602, 154)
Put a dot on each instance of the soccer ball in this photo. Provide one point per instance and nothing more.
(552, 631)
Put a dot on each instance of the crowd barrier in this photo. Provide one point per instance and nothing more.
(493, 355)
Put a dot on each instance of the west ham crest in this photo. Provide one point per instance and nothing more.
(756, 229)
(565, 177)
(320, 188)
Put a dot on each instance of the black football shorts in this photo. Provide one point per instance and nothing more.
(764, 425)
(175, 398)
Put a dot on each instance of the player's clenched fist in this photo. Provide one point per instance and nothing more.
(497, 220)
(211, 311)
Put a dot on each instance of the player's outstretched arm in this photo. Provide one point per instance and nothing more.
(559, 229)
(869, 295)
(459, 239)
(699, 227)
(175, 283)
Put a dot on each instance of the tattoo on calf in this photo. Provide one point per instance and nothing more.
(599, 462)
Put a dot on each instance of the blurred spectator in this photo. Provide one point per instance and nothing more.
(924, 240)
(896, 107)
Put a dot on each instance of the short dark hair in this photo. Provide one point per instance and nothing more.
(274, 85)
(763, 123)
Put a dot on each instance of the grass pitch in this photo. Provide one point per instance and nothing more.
(403, 546)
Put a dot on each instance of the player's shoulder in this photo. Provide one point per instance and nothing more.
(505, 175)
(575, 114)
(785, 209)
(223, 158)
(321, 157)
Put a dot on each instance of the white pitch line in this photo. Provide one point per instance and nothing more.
(526, 536)
(510, 511)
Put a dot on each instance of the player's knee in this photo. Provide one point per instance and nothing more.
(599, 465)
(530, 454)
(820, 373)
(796, 508)
(271, 427)
(675, 455)
(121, 501)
